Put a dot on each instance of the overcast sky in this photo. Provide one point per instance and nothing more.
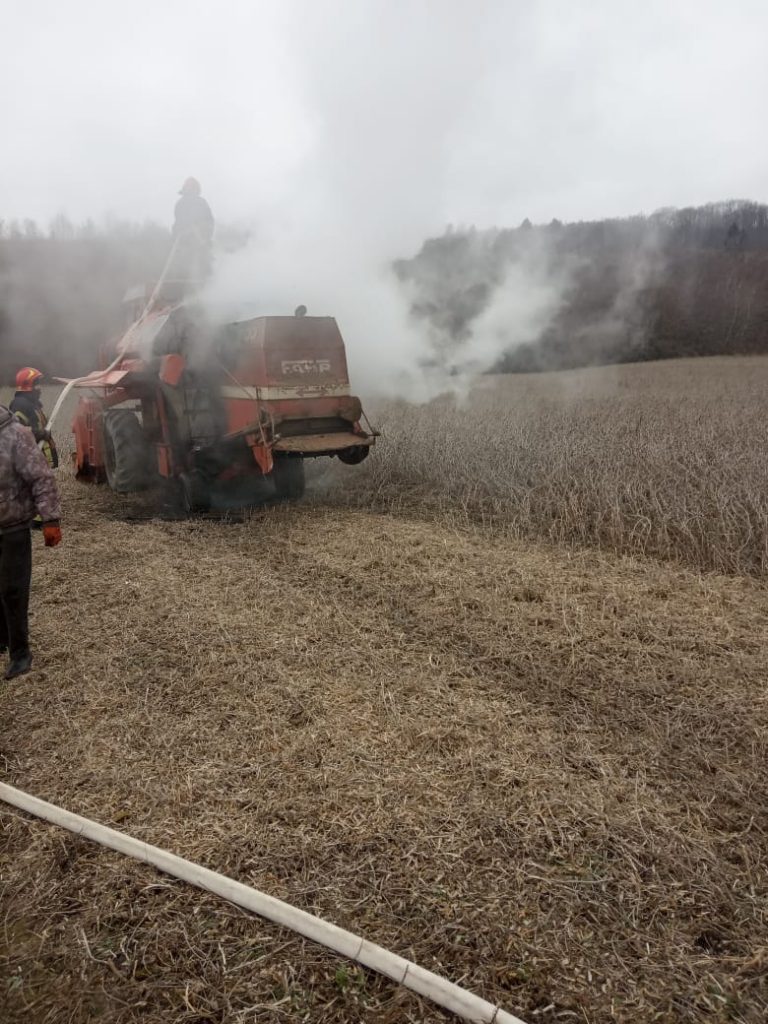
(419, 112)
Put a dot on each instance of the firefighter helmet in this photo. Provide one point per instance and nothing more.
(28, 378)
(191, 187)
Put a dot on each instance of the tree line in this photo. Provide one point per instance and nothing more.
(678, 282)
(675, 283)
(62, 288)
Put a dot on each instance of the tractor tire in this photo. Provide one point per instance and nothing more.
(354, 456)
(126, 452)
(288, 478)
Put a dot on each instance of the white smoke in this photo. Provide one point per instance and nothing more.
(519, 311)
(332, 274)
(389, 90)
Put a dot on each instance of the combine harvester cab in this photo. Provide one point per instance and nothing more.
(226, 413)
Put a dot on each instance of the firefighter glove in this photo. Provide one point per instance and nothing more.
(52, 534)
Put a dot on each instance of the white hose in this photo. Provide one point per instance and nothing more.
(121, 344)
(68, 387)
(352, 947)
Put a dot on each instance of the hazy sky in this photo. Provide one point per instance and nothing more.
(412, 113)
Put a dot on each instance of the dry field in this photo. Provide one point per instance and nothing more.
(662, 459)
(536, 767)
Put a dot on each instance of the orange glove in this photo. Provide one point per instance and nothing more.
(52, 534)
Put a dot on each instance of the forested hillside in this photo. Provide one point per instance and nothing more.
(61, 292)
(677, 283)
(680, 282)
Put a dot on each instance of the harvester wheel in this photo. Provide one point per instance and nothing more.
(288, 477)
(354, 456)
(126, 453)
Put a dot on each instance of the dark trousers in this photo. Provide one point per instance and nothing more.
(15, 578)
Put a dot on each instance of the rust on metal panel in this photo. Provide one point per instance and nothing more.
(284, 352)
(321, 443)
(261, 451)
(243, 411)
(88, 432)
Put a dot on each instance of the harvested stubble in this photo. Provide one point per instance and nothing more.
(661, 459)
(540, 772)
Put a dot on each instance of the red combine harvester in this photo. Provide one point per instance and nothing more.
(218, 410)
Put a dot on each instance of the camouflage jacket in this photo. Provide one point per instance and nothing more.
(27, 485)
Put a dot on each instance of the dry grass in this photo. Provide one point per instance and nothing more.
(539, 770)
(661, 459)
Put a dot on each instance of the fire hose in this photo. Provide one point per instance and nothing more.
(353, 947)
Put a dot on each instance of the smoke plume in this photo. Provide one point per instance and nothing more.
(385, 119)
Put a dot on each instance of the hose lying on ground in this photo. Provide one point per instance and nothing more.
(452, 997)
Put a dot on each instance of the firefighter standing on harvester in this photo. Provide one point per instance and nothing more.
(27, 407)
(27, 486)
(193, 232)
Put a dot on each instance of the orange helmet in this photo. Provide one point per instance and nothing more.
(191, 187)
(28, 378)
